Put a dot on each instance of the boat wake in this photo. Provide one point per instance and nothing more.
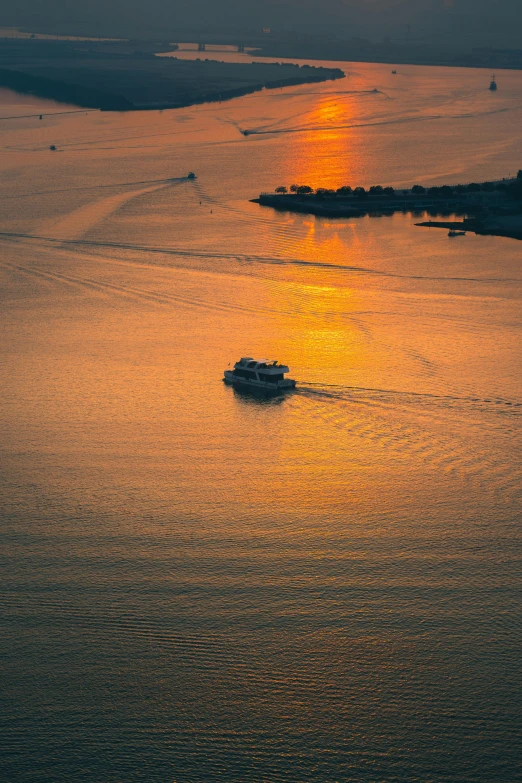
(361, 394)
(373, 123)
(248, 259)
(423, 430)
(110, 186)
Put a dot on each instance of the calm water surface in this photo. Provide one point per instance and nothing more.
(200, 586)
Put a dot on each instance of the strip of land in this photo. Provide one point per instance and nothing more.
(360, 50)
(452, 49)
(503, 226)
(110, 77)
(486, 207)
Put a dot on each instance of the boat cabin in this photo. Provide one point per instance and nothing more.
(263, 370)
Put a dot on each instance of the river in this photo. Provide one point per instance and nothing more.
(202, 586)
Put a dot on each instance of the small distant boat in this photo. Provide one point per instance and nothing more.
(259, 375)
(493, 84)
(394, 71)
(52, 147)
(191, 175)
(454, 233)
(246, 133)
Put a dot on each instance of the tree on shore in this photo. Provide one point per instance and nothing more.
(514, 189)
(441, 190)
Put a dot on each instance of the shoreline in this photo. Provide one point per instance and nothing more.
(354, 207)
(88, 97)
(475, 227)
(492, 212)
(390, 61)
(496, 60)
(109, 77)
(287, 46)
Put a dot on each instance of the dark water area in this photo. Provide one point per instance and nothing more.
(198, 585)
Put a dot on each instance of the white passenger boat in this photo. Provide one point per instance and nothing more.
(259, 375)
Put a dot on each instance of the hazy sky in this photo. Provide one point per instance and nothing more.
(486, 22)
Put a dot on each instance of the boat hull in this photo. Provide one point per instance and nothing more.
(259, 386)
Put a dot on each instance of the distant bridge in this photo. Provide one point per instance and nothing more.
(202, 47)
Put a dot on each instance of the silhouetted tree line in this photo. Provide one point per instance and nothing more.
(512, 189)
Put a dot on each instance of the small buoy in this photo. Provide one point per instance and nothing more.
(41, 116)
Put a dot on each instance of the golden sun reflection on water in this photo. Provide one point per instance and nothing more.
(319, 151)
(319, 330)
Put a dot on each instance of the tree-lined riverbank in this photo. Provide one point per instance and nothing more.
(489, 207)
(112, 78)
